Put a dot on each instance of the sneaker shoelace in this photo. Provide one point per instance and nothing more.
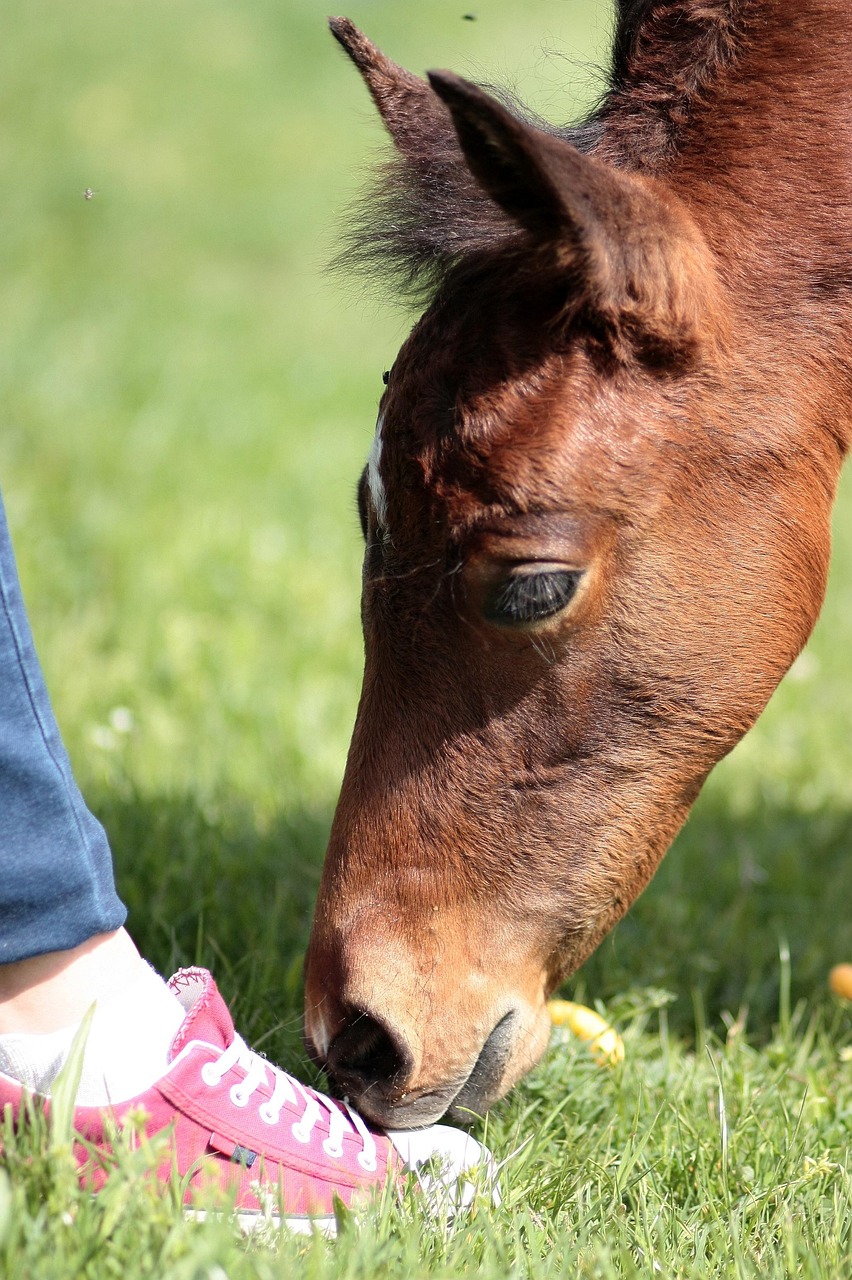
(287, 1089)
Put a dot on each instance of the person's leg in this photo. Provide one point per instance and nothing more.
(62, 944)
(43, 993)
(56, 879)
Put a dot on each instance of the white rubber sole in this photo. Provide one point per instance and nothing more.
(250, 1221)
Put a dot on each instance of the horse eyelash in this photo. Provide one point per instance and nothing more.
(531, 597)
(361, 502)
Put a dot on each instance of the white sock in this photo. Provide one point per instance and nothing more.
(126, 1052)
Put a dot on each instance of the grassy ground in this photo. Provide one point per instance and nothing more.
(185, 403)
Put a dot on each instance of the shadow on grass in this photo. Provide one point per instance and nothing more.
(209, 886)
(731, 892)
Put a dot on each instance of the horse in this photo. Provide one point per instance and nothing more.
(596, 515)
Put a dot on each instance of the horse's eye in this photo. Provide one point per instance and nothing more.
(528, 597)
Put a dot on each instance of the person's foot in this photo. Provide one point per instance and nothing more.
(282, 1149)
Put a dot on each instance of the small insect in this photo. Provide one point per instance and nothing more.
(386, 377)
(89, 194)
(469, 17)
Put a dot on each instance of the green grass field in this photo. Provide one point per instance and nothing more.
(185, 402)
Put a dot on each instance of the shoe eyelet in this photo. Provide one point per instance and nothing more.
(267, 1115)
(299, 1134)
(237, 1096)
(210, 1075)
(368, 1163)
(333, 1152)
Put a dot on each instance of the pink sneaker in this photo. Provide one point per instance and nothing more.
(284, 1150)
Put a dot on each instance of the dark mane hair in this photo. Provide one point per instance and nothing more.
(425, 213)
(666, 55)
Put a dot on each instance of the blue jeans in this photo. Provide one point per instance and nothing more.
(56, 877)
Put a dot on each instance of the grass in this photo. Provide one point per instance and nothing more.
(186, 401)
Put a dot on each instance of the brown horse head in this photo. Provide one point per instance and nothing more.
(596, 522)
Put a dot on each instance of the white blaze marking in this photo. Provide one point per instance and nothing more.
(374, 478)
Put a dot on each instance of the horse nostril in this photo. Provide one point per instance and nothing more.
(367, 1052)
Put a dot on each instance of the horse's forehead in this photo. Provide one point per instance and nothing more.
(557, 431)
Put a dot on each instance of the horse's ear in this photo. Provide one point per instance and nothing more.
(415, 118)
(641, 261)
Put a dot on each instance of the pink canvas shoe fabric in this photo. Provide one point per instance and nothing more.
(241, 1123)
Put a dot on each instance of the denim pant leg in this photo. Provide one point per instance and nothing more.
(56, 876)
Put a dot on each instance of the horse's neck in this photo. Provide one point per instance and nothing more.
(769, 179)
(761, 145)
(765, 166)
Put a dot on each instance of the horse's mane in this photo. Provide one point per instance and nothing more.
(426, 216)
(666, 55)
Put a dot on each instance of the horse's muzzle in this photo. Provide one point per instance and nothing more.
(371, 1065)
